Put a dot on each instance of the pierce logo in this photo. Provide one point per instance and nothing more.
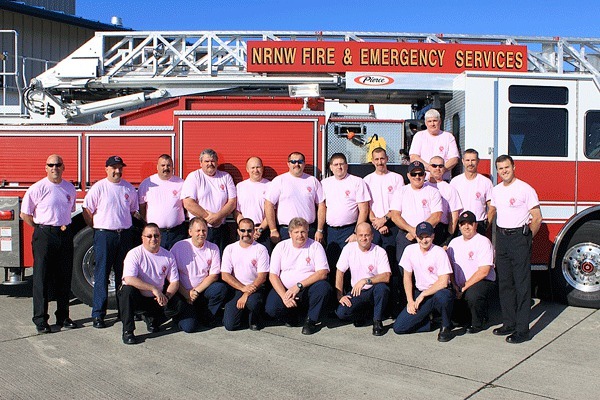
(374, 80)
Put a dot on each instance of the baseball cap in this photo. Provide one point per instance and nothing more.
(416, 165)
(424, 228)
(114, 160)
(466, 216)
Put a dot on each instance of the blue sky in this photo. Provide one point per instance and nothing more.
(578, 18)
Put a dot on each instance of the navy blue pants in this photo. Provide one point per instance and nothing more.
(218, 236)
(233, 318)
(375, 297)
(335, 242)
(110, 248)
(312, 299)
(442, 301)
(168, 237)
(204, 310)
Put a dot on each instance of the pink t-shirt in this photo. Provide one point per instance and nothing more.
(251, 199)
(427, 267)
(111, 204)
(295, 197)
(363, 264)
(383, 188)
(211, 192)
(513, 203)
(467, 256)
(474, 194)
(152, 268)
(294, 265)
(245, 263)
(50, 203)
(163, 199)
(450, 199)
(416, 205)
(195, 264)
(427, 146)
(342, 197)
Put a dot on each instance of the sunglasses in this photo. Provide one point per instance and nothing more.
(437, 165)
(294, 162)
(246, 230)
(58, 165)
(155, 236)
(413, 174)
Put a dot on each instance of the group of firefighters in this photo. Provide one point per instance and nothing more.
(409, 249)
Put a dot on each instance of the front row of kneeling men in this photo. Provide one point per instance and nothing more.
(183, 284)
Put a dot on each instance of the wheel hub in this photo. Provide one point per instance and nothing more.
(88, 264)
(580, 267)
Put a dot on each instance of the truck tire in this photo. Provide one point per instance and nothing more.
(82, 284)
(576, 276)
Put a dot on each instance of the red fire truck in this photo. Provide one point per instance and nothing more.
(141, 94)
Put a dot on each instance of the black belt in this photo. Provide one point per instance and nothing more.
(342, 227)
(174, 228)
(53, 228)
(112, 230)
(509, 231)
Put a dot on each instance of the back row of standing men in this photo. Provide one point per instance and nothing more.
(333, 209)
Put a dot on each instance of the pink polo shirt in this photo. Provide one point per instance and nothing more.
(427, 267)
(211, 192)
(50, 203)
(416, 205)
(467, 256)
(513, 203)
(152, 268)
(383, 189)
(450, 199)
(295, 197)
(294, 265)
(111, 204)
(251, 199)
(427, 146)
(245, 263)
(363, 264)
(163, 199)
(195, 264)
(342, 197)
(474, 194)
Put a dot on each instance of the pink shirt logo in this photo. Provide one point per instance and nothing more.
(431, 270)
(371, 268)
(68, 198)
(471, 254)
(424, 202)
(477, 195)
(441, 149)
(253, 262)
(175, 193)
(209, 262)
(512, 201)
(222, 187)
(390, 189)
(164, 270)
(309, 189)
(126, 197)
(307, 260)
(347, 193)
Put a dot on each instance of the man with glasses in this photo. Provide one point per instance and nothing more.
(434, 142)
(160, 201)
(295, 194)
(200, 296)
(245, 268)
(108, 207)
(47, 206)
(210, 194)
(451, 205)
(146, 268)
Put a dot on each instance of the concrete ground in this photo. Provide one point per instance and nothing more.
(340, 361)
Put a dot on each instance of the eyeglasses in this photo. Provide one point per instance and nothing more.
(413, 174)
(246, 230)
(155, 236)
(294, 162)
(58, 165)
(437, 165)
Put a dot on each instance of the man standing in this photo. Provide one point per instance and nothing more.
(370, 272)
(472, 258)
(434, 142)
(295, 194)
(47, 206)
(298, 274)
(210, 194)
(146, 267)
(108, 208)
(160, 201)
(245, 268)
(474, 189)
(201, 295)
(516, 207)
(347, 205)
(431, 268)
(451, 205)
(251, 200)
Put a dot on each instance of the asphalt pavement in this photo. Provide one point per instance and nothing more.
(340, 361)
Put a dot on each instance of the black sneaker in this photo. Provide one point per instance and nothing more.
(129, 338)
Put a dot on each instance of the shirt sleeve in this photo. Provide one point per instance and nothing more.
(343, 261)
(263, 259)
(174, 272)
(231, 190)
(383, 263)
(226, 265)
(189, 188)
(436, 200)
(452, 148)
(320, 257)
(215, 267)
(275, 264)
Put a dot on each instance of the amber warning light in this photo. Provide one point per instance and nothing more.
(7, 215)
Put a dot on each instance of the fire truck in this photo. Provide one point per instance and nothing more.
(141, 94)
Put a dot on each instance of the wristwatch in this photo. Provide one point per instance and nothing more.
(369, 281)
(260, 230)
(387, 218)
(300, 285)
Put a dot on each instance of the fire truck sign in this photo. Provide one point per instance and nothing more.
(342, 57)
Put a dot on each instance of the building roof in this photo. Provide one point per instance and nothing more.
(58, 16)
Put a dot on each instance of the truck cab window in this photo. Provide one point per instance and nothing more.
(537, 131)
(592, 135)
